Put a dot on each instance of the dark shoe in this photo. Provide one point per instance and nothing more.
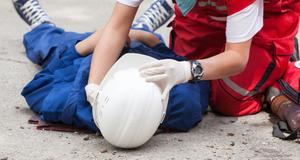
(31, 12)
(155, 16)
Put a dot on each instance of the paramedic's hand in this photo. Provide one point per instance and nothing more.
(166, 73)
(92, 92)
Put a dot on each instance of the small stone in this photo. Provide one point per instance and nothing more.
(244, 143)
(114, 152)
(232, 144)
(74, 152)
(98, 134)
(230, 134)
(17, 107)
(232, 121)
(86, 138)
(221, 130)
(5, 158)
(22, 127)
(103, 151)
(179, 140)
(264, 143)
(210, 146)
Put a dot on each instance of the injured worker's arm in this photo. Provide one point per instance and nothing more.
(88, 45)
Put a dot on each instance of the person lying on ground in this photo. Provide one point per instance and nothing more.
(57, 92)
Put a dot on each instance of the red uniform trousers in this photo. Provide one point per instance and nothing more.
(199, 36)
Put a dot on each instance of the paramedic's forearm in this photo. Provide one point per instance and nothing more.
(112, 42)
(231, 62)
(104, 56)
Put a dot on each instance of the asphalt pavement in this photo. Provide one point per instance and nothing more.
(216, 137)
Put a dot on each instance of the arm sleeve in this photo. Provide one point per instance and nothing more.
(243, 24)
(131, 3)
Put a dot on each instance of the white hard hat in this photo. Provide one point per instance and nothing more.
(129, 109)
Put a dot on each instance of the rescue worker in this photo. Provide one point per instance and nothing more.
(243, 47)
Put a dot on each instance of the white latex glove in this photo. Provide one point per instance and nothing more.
(166, 73)
(92, 92)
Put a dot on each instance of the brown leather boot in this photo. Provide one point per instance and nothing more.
(287, 111)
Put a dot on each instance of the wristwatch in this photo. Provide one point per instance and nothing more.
(196, 70)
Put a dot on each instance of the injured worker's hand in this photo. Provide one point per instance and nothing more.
(92, 92)
(166, 73)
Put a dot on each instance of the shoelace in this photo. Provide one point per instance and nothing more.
(33, 12)
(154, 16)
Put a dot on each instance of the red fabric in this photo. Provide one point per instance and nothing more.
(289, 83)
(237, 5)
(292, 75)
(224, 103)
(198, 36)
(227, 101)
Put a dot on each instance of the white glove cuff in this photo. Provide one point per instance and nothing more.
(90, 88)
(92, 91)
(187, 70)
